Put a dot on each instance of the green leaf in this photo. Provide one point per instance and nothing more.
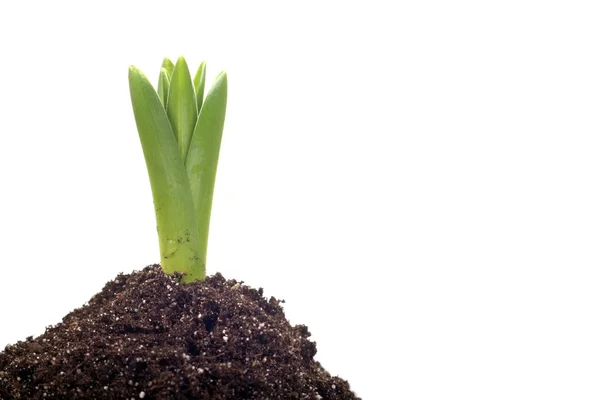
(169, 66)
(173, 204)
(199, 81)
(163, 86)
(181, 106)
(203, 155)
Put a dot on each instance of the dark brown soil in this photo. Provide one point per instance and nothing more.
(146, 336)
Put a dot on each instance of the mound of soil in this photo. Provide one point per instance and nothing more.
(145, 336)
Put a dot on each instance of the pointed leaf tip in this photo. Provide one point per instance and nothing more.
(199, 81)
(163, 86)
(168, 65)
(181, 105)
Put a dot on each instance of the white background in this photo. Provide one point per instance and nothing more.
(420, 183)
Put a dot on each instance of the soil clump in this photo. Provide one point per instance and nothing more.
(145, 336)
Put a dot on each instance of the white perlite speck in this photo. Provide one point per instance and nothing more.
(142, 395)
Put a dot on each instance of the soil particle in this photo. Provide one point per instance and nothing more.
(145, 336)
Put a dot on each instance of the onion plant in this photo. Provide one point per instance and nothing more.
(180, 131)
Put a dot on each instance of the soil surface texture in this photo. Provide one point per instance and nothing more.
(145, 336)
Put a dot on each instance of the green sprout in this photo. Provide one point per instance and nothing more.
(180, 131)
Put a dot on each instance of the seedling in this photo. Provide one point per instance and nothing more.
(180, 131)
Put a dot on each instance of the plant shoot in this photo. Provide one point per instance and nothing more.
(180, 132)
